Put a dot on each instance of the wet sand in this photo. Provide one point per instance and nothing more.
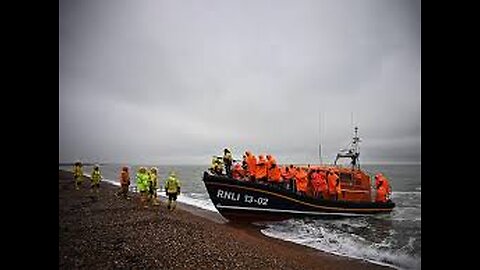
(108, 232)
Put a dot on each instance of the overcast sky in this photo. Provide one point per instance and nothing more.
(174, 82)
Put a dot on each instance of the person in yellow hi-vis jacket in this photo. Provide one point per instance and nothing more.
(78, 174)
(142, 179)
(96, 178)
(172, 188)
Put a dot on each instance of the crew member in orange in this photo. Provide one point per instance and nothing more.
(274, 174)
(270, 160)
(316, 182)
(301, 181)
(332, 184)
(323, 183)
(261, 172)
(387, 186)
(377, 179)
(287, 176)
(251, 164)
(238, 172)
(381, 193)
(382, 185)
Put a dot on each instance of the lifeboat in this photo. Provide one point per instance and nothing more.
(244, 199)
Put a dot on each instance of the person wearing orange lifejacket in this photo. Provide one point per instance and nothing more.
(377, 180)
(386, 184)
(323, 183)
(383, 188)
(301, 181)
(270, 160)
(237, 171)
(381, 193)
(261, 171)
(287, 176)
(251, 164)
(274, 174)
(332, 178)
(316, 182)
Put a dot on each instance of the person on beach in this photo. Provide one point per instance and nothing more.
(153, 186)
(78, 174)
(172, 189)
(124, 183)
(96, 178)
(142, 186)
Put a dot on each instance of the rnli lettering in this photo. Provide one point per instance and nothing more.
(229, 195)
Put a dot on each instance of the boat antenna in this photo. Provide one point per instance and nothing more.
(352, 151)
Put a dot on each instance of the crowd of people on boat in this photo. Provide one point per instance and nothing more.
(318, 182)
(146, 184)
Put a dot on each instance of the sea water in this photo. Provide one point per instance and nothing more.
(392, 239)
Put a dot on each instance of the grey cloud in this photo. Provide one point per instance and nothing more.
(175, 81)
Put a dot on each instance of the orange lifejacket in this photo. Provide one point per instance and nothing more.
(332, 183)
(301, 180)
(261, 170)
(386, 185)
(251, 164)
(270, 161)
(381, 194)
(316, 181)
(237, 171)
(323, 184)
(274, 174)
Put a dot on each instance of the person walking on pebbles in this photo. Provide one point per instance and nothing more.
(124, 183)
(152, 192)
(142, 179)
(172, 189)
(96, 178)
(78, 174)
